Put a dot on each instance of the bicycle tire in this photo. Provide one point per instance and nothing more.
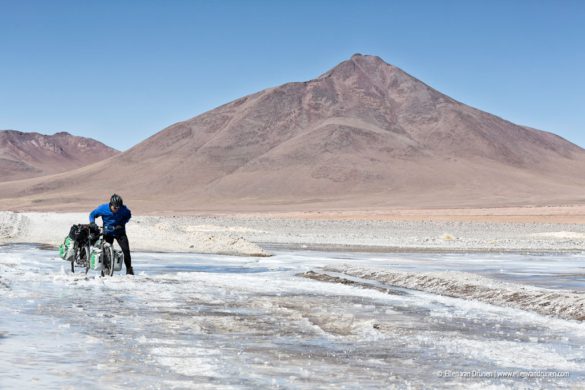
(108, 253)
(87, 258)
(111, 251)
(74, 259)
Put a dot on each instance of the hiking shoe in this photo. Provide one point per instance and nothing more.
(130, 271)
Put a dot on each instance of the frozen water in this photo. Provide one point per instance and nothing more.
(197, 321)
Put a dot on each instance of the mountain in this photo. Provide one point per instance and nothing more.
(364, 134)
(25, 155)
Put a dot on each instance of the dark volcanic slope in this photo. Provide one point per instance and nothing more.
(24, 155)
(364, 134)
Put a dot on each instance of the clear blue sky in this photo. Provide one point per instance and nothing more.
(120, 71)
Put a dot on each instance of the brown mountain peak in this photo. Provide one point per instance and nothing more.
(358, 57)
(359, 64)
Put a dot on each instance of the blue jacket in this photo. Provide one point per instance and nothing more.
(110, 219)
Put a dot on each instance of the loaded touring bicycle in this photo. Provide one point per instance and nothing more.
(86, 248)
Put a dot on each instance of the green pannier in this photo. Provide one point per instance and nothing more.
(67, 249)
(96, 259)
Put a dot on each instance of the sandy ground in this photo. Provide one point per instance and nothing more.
(562, 214)
(254, 234)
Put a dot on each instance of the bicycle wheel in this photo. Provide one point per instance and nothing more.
(111, 252)
(108, 253)
(87, 258)
(74, 258)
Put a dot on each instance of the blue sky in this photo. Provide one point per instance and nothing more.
(120, 71)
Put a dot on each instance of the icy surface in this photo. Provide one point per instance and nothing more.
(562, 304)
(197, 321)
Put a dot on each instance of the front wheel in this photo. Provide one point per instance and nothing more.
(87, 258)
(108, 253)
(77, 253)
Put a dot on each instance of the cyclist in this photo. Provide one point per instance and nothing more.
(115, 216)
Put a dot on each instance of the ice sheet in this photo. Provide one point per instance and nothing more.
(197, 321)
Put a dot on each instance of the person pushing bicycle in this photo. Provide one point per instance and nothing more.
(115, 216)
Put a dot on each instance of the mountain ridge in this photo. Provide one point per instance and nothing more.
(30, 154)
(362, 131)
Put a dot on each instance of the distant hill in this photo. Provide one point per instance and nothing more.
(363, 135)
(25, 155)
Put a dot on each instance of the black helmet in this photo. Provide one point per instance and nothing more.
(116, 201)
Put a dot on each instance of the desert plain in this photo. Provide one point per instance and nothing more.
(552, 228)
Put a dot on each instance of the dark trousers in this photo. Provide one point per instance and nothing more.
(125, 245)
